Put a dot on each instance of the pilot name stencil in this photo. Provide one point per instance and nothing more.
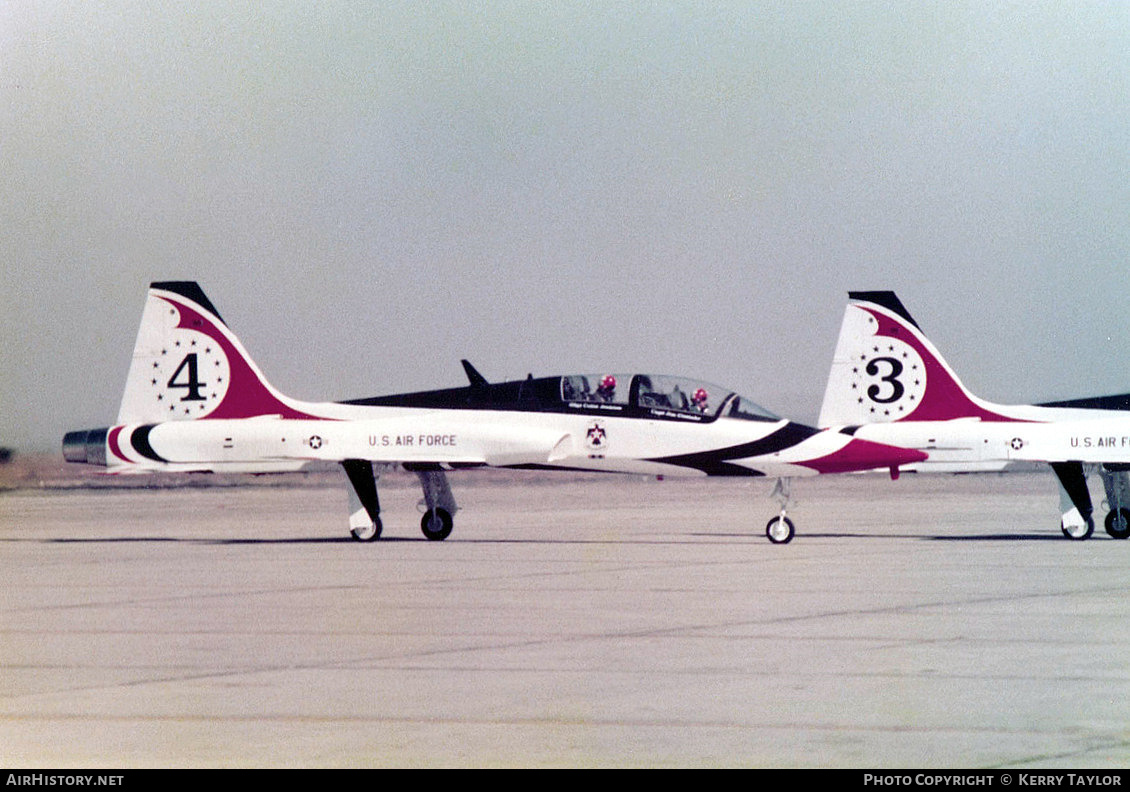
(596, 406)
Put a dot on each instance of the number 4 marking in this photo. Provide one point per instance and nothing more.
(193, 383)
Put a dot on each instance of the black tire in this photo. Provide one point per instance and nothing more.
(436, 524)
(1118, 529)
(780, 530)
(1079, 537)
(369, 533)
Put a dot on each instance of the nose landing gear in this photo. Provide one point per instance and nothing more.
(780, 529)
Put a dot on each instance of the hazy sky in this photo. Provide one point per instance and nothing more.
(370, 191)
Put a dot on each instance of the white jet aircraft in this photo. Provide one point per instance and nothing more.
(890, 385)
(195, 402)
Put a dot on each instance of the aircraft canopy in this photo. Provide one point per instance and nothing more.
(662, 394)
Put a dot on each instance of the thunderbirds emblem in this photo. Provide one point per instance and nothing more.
(596, 438)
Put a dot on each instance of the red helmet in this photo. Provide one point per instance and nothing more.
(701, 395)
(608, 382)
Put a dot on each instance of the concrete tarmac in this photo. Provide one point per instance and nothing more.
(932, 622)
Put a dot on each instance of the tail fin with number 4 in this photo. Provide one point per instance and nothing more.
(188, 365)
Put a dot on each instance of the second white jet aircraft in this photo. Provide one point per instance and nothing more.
(889, 385)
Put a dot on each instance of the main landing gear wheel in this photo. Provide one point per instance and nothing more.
(1078, 532)
(368, 533)
(780, 530)
(1118, 523)
(436, 524)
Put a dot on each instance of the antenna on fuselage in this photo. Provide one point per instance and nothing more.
(477, 379)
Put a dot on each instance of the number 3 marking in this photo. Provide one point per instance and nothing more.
(897, 389)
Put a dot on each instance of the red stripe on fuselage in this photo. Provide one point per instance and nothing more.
(860, 455)
(112, 442)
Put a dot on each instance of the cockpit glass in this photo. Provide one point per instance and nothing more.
(598, 388)
(748, 411)
(661, 396)
(681, 395)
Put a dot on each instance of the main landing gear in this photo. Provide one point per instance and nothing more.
(438, 503)
(1075, 526)
(1117, 486)
(1077, 521)
(1118, 523)
(436, 524)
(365, 508)
(780, 529)
(367, 533)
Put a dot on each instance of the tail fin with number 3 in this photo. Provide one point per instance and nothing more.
(885, 369)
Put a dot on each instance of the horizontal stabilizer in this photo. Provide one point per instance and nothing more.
(1119, 401)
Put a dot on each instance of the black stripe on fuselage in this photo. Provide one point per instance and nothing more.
(139, 439)
(715, 463)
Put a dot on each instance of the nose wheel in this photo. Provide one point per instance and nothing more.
(780, 530)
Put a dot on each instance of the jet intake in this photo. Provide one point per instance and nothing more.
(86, 445)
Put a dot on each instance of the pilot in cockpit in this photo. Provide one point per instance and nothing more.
(606, 391)
(700, 399)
